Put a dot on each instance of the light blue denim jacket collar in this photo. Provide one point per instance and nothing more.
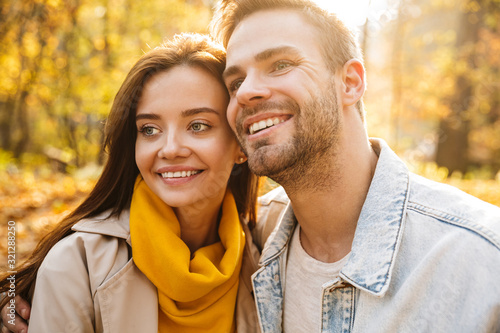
(379, 229)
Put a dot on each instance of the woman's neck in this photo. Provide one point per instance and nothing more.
(199, 225)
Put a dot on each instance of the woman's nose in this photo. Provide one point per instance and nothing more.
(174, 146)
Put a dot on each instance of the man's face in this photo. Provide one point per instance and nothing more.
(283, 105)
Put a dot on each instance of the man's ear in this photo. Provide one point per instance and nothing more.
(353, 82)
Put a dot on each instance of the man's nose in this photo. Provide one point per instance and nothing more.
(252, 90)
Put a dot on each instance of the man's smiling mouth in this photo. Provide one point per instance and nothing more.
(263, 124)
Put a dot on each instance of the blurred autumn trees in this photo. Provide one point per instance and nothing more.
(442, 103)
(62, 62)
(471, 128)
(433, 76)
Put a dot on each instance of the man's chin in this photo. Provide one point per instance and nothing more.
(266, 161)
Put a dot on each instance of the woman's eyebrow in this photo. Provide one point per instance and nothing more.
(192, 112)
(149, 116)
(184, 114)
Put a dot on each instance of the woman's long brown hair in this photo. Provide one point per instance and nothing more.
(113, 191)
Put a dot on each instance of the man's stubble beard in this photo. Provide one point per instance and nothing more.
(307, 160)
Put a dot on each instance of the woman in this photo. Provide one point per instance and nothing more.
(171, 197)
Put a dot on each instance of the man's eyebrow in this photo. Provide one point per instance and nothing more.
(269, 53)
(229, 71)
(262, 56)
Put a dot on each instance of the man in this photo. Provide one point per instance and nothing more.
(363, 245)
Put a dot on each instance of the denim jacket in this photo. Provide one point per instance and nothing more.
(425, 258)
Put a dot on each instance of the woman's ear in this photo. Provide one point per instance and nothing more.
(353, 82)
(241, 158)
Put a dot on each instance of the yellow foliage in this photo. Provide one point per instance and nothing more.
(36, 203)
(485, 189)
(31, 45)
(99, 43)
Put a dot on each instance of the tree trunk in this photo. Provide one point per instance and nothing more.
(6, 124)
(23, 125)
(453, 145)
(396, 69)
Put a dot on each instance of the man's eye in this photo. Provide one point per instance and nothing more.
(282, 65)
(235, 85)
(199, 127)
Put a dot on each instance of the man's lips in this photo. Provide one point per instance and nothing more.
(255, 125)
(263, 124)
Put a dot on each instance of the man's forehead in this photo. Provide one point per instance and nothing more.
(267, 29)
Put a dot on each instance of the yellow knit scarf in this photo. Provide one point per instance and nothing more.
(195, 295)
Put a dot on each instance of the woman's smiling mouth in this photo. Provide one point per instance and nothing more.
(180, 174)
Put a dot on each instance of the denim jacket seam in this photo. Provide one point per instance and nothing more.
(278, 252)
(274, 256)
(397, 243)
(455, 221)
(265, 266)
(257, 304)
(353, 309)
(399, 236)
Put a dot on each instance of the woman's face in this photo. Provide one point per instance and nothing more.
(185, 149)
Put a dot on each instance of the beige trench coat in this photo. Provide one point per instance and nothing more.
(103, 289)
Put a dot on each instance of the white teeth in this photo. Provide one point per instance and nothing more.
(179, 174)
(255, 127)
(260, 125)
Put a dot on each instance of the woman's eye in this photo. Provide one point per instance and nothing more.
(149, 131)
(199, 127)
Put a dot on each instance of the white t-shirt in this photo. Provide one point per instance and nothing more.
(305, 277)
